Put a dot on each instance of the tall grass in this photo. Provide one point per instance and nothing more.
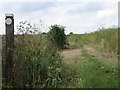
(36, 63)
(98, 73)
(107, 39)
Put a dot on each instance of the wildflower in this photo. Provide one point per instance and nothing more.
(83, 57)
(50, 67)
(102, 67)
(58, 69)
(113, 66)
(57, 62)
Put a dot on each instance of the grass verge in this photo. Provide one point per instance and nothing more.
(98, 73)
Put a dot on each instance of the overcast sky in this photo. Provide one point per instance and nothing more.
(79, 16)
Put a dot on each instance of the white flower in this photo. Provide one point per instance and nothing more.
(113, 66)
(50, 67)
(102, 67)
(58, 69)
(57, 62)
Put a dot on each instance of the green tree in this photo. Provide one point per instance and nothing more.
(57, 36)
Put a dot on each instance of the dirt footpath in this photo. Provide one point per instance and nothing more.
(102, 55)
(70, 55)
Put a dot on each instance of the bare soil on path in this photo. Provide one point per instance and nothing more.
(70, 55)
(93, 50)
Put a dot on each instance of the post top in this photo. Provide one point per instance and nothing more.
(9, 15)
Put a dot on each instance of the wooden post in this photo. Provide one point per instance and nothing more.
(119, 44)
(9, 25)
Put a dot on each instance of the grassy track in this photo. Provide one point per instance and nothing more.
(92, 62)
(89, 71)
(98, 73)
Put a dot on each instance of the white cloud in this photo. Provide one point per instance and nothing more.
(76, 22)
(59, 1)
(110, 11)
(108, 17)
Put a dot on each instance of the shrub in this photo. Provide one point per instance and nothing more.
(57, 36)
(71, 32)
(44, 33)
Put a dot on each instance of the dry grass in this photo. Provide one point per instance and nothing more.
(93, 50)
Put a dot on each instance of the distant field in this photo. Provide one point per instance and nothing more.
(107, 39)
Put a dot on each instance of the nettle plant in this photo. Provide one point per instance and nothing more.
(36, 63)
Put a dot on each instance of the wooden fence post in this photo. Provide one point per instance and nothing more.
(9, 26)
